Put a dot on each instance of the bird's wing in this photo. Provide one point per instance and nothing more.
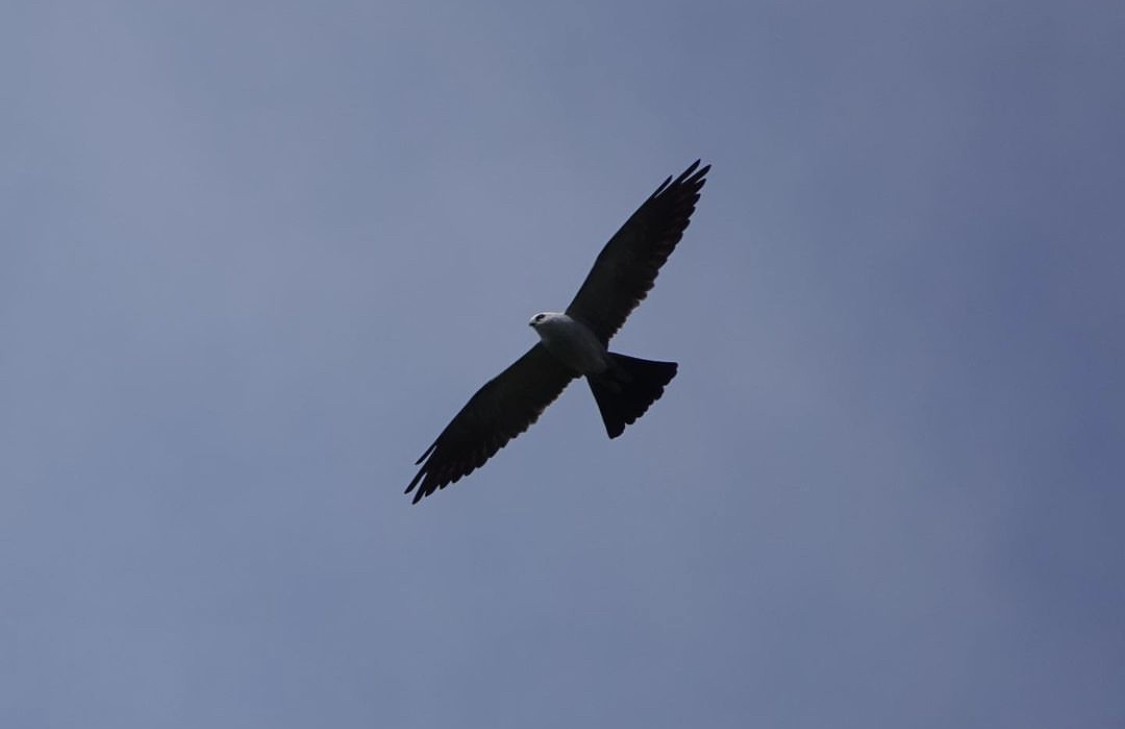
(505, 407)
(626, 268)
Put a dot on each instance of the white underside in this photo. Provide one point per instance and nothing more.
(573, 343)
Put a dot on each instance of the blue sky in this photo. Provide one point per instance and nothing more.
(254, 256)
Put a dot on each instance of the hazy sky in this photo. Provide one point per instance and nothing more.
(253, 257)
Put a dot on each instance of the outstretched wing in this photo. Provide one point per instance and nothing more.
(505, 407)
(626, 268)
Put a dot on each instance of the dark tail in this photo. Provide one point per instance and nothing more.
(627, 388)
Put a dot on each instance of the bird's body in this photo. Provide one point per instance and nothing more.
(571, 342)
(574, 344)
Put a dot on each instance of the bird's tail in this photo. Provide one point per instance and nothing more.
(625, 390)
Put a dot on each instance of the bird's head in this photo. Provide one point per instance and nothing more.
(539, 319)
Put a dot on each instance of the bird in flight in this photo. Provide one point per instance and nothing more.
(575, 344)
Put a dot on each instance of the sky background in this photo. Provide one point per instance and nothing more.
(254, 256)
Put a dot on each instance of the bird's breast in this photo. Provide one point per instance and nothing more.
(574, 344)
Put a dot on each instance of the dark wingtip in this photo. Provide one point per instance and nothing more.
(695, 177)
(692, 175)
(420, 475)
(663, 186)
(426, 455)
(414, 481)
(422, 492)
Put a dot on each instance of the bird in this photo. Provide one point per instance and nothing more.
(575, 343)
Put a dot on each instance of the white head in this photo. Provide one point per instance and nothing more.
(542, 318)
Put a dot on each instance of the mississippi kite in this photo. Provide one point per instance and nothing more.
(575, 344)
